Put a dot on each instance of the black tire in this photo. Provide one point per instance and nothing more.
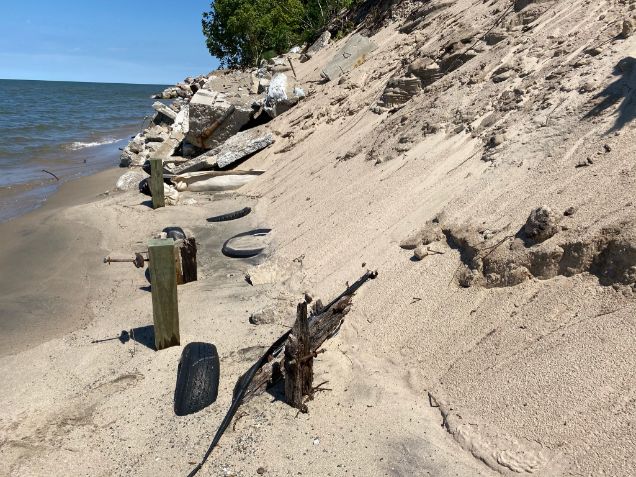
(228, 251)
(175, 233)
(231, 216)
(197, 378)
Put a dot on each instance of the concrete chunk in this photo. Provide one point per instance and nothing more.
(234, 149)
(352, 54)
(215, 117)
(165, 110)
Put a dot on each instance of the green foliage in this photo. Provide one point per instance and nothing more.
(242, 32)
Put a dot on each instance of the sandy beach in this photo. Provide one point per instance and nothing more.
(490, 347)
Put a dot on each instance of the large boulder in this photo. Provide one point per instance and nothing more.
(352, 54)
(214, 117)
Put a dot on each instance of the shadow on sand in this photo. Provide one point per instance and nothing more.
(621, 91)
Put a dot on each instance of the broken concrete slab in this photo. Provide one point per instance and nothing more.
(164, 110)
(214, 117)
(234, 149)
(319, 44)
(352, 54)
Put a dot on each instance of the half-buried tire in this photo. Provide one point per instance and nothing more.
(197, 378)
(235, 252)
(237, 214)
(175, 233)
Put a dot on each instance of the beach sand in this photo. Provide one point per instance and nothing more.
(48, 266)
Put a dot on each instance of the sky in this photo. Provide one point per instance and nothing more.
(108, 41)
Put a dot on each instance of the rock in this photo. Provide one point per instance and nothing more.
(352, 54)
(496, 140)
(234, 149)
(319, 44)
(426, 70)
(281, 95)
(495, 36)
(498, 78)
(431, 232)
(569, 211)
(541, 224)
(265, 316)
(398, 91)
(214, 117)
(137, 144)
(126, 158)
(420, 252)
(164, 110)
(130, 180)
(628, 29)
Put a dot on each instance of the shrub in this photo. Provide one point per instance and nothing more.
(240, 32)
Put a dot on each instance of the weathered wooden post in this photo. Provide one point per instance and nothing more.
(299, 361)
(156, 183)
(185, 254)
(163, 283)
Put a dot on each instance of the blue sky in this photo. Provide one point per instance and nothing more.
(112, 41)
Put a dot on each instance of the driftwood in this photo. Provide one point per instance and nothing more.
(323, 324)
(299, 362)
(321, 327)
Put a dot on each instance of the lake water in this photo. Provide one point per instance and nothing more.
(69, 129)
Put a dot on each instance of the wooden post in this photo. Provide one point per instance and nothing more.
(163, 283)
(299, 362)
(156, 183)
(185, 254)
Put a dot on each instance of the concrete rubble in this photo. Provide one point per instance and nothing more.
(238, 147)
(216, 120)
(352, 54)
(321, 43)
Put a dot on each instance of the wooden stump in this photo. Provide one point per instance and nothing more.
(185, 252)
(299, 362)
(156, 183)
(163, 285)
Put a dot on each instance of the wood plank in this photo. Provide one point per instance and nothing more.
(298, 364)
(156, 183)
(163, 281)
(186, 260)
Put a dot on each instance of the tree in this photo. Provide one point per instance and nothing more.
(241, 32)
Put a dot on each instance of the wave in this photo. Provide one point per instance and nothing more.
(77, 145)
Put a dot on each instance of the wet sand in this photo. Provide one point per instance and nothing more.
(47, 262)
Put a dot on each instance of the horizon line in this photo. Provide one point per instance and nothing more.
(88, 82)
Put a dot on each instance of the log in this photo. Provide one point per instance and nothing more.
(321, 327)
(299, 362)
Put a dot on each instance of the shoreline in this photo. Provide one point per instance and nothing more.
(20, 198)
(39, 245)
